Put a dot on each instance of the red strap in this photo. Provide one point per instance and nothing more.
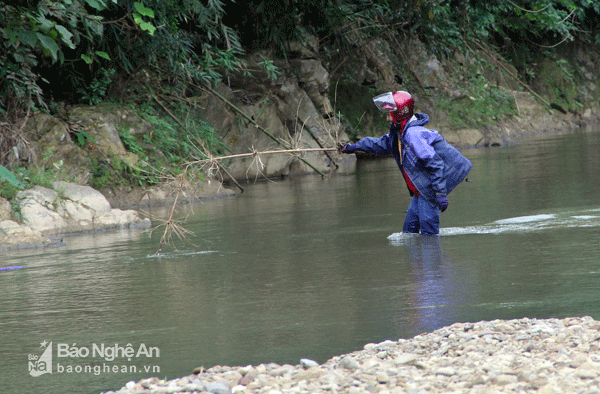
(409, 183)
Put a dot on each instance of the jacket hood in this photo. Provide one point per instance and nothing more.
(418, 119)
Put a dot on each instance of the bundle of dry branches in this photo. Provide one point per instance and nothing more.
(213, 165)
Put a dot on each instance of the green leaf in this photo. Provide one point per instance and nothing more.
(44, 24)
(66, 35)
(94, 23)
(12, 35)
(50, 45)
(149, 27)
(86, 59)
(96, 4)
(103, 55)
(139, 7)
(137, 18)
(82, 136)
(10, 177)
(3, 71)
(28, 37)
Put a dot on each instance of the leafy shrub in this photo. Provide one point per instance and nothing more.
(94, 93)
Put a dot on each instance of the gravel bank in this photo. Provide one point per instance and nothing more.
(501, 356)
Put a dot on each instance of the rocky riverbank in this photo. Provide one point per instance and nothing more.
(44, 215)
(47, 213)
(546, 356)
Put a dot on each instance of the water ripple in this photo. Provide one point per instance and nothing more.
(519, 224)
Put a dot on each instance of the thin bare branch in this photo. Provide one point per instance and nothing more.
(172, 226)
(266, 132)
(529, 11)
(268, 152)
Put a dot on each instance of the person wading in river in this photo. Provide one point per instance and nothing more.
(431, 167)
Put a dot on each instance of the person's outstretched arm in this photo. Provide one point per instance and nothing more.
(377, 146)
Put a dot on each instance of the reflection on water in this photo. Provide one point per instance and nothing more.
(312, 267)
(430, 273)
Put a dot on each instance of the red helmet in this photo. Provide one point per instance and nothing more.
(399, 104)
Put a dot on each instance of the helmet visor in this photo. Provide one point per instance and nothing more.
(385, 102)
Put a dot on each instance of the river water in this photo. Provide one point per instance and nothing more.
(307, 268)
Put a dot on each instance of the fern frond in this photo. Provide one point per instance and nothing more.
(8, 176)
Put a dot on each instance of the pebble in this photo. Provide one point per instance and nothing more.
(501, 356)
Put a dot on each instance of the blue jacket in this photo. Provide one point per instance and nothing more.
(432, 164)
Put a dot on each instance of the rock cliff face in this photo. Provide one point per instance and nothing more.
(72, 144)
(294, 108)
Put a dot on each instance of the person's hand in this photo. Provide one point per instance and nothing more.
(442, 202)
(347, 148)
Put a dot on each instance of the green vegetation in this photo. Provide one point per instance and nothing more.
(111, 171)
(354, 110)
(9, 177)
(168, 139)
(83, 137)
(95, 92)
(485, 101)
(21, 178)
(9, 183)
(158, 53)
(160, 151)
(560, 83)
(84, 46)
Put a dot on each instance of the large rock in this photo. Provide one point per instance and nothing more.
(67, 208)
(315, 80)
(12, 234)
(100, 124)
(465, 137)
(72, 208)
(294, 109)
(5, 209)
(51, 146)
(83, 195)
(38, 209)
(72, 146)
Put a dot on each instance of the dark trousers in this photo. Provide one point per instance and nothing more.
(422, 216)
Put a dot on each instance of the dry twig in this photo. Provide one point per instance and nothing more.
(173, 226)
